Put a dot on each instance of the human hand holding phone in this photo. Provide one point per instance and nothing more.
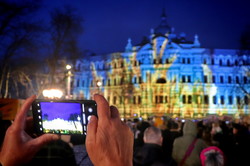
(109, 141)
(19, 147)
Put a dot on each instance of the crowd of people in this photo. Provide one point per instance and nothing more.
(207, 142)
(111, 141)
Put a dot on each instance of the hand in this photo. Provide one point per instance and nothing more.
(109, 141)
(18, 147)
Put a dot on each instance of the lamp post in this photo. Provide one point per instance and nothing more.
(99, 84)
(68, 84)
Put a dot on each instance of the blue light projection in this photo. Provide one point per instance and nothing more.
(170, 76)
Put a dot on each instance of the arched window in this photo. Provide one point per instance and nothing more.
(236, 63)
(161, 81)
(220, 62)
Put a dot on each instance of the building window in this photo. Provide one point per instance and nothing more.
(184, 99)
(189, 99)
(108, 82)
(206, 99)
(229, 79)
(166, 99)
(214, 100)
(78, 83)
(237, 80)
(154, 61)
(230, 100)
(134, 99)
(220, 62)
(108, 98)
(114, 100)
(160, 99)
(245, 80)
(205, 79)
(135, 80)
(214, 80)
(115, 81)
(156, 99)
(246, 100)
(212, 61)
(238, 100)
(222, 101)
(189, 79)
(139, 99)
(140, 80)
(228, 63)
(221, 79)
(122, 80)
(120, 99)
(188, 61)
(183, 60)
(204, 61)
(167, 61)
(183, 79)
(236, 62)
(82, 83)
(135, 63)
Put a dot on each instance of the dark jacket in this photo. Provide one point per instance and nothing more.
(150, 155)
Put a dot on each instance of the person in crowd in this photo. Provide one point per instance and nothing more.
(169, 135)
(109, 141)
(141, 127)
(241, 145)
(150, 154)
(186, 149)
(212, 156)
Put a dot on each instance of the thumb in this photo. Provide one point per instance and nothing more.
(91, 132)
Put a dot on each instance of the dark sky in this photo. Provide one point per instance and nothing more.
(109, 23)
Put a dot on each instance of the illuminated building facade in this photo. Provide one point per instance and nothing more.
(168, 75)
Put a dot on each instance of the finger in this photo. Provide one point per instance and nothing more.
(103, 111)
(114, 112)
(20, 118)
(91, 131)
(42, 140)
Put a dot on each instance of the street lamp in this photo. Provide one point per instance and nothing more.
(68, 84)
(99, 84)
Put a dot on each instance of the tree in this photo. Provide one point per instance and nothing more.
(244, 61)
(17, 32)
(65, 28)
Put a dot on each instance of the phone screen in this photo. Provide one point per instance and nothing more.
(63, 117)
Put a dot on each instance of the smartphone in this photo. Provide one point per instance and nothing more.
(62, 116)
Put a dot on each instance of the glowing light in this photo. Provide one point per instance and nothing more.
(68, 67)
(52, 93)
(99, 83)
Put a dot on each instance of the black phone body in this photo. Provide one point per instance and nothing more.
(62, 116)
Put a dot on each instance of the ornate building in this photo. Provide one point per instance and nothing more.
(168, 75)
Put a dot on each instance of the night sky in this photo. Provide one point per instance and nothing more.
(108, 24)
